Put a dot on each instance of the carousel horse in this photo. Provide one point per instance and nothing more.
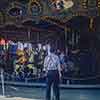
(20, 61)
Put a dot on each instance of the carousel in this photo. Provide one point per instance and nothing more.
(72, 26)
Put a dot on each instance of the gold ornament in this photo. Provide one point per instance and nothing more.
(36, 4)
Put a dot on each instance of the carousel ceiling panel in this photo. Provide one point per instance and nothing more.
(28, 22)
(15, 37)
(55, 7)
(12, 28)
(3, 4)
(23, 1)
(78, 22)
(47, 25)
(31, 23)
(42, 25)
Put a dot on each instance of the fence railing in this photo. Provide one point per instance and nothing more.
(64, 80)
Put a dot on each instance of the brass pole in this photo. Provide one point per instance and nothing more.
(29, 34)
(91, 24)
(65, 31)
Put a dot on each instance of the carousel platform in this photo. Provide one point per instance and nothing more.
(43, 85)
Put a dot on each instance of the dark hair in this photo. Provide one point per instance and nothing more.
(52, 50)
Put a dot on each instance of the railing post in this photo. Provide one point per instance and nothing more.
(2, 81)
(26, 80)
(52, 93)
(68, 82)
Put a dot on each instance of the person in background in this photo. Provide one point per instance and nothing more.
(2, 60)
(53, 74)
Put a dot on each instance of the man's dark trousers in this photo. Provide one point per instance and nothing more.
(52, 79)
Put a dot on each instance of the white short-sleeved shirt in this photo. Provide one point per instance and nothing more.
(51, 62)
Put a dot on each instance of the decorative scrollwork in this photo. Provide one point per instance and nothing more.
(61, 5)
(16, 9)
(35, 7)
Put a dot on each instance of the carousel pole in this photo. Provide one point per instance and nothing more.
(2, 82)
(65, 32)
(73, 39)
(66, 47)
(29, 34)
(38, 37)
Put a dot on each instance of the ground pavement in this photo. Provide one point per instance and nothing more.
(32, 93)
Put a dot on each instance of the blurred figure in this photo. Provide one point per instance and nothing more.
(2, 60)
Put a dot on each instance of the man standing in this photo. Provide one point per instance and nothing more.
(53, 72)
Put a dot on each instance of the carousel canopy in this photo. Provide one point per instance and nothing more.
(55, 16)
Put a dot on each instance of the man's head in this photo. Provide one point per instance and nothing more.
(52, 50)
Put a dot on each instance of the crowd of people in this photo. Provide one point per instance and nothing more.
(26, 60)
